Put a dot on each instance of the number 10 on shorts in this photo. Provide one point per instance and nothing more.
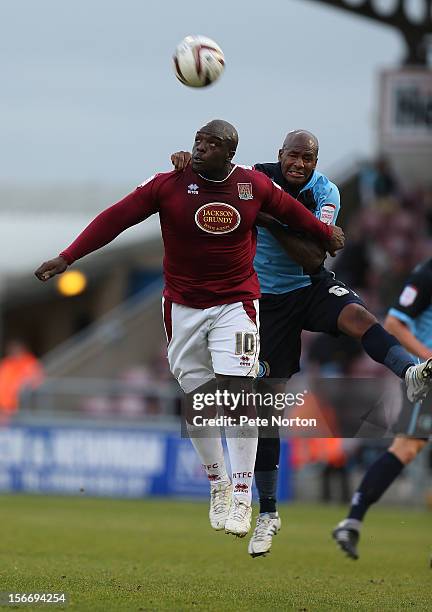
(245, 343)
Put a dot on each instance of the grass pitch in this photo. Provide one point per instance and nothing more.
(162, 555)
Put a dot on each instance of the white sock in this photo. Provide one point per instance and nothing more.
(242, 445)
(351, 524)
(208, 445)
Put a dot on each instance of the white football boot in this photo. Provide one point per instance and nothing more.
(220, 503)
(418, 379)
(267, 526)
(239, 518)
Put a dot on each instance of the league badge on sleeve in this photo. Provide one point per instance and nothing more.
(408, 295)
(245, 191)
(327, 213)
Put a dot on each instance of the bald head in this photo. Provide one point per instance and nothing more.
(298, 157)
(214, 147)
(223, 130)
(302, 138)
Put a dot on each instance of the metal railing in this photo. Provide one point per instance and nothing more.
(102, 399)
(104, 333)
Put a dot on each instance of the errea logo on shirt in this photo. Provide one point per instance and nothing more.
(193, 189)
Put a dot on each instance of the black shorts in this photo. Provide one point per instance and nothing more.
(283, 317)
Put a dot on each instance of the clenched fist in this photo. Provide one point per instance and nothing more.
(180, 160)
(336, 242)
(50, 268)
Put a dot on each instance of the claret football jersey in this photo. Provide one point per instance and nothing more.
(207, 229)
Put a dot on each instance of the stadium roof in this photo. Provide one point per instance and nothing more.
(36, 223)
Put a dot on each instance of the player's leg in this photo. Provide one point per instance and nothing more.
(375, 482)
(268, 522)
(233, 342)
(280, 329)
(266, 473)
(190, 363)
(356, 321)
(208, 444)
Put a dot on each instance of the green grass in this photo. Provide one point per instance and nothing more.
(162, 555)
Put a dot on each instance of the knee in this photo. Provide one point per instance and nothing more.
(236, 396)
(195, 404)
(407, 449)
(355, 320)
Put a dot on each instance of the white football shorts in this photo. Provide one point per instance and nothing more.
(201, 342)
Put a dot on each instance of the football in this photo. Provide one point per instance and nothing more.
(198, 61)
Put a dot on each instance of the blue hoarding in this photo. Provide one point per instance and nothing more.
(117, 462)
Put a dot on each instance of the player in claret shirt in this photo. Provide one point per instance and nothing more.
(210, 302)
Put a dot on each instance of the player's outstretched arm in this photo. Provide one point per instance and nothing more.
(180, 160)
(291, 212)
(308, 253)
(129, 211)
(50, 268)
(304, 250)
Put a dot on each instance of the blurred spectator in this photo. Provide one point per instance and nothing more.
(384, 242)
(335, 472)
(424, 198)
(19, 369)
(385, 184)
(144, 390)
(330, 456)
(379, 188)
(138, 401)
(366, 179)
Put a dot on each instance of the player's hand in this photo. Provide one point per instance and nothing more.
(337, 240)
(50, 268)
(265, 220)
(180, 160)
